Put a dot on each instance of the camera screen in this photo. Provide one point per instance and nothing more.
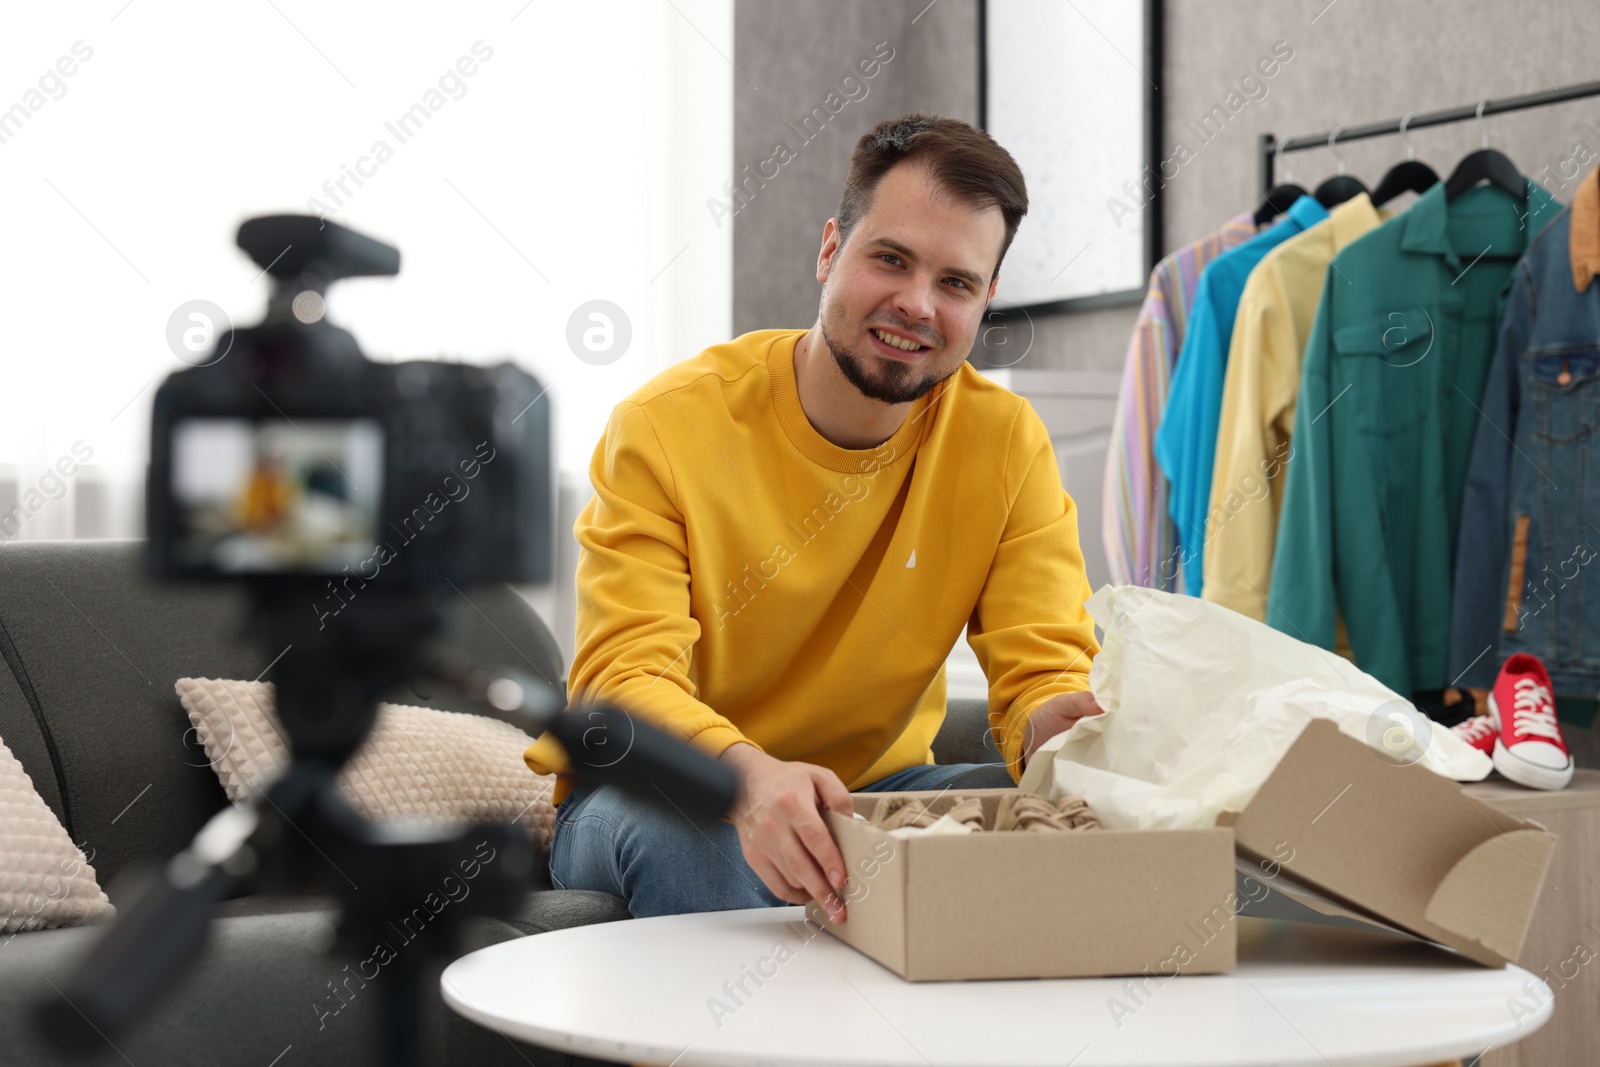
(276, 497)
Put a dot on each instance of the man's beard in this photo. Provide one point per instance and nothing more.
(898, 383)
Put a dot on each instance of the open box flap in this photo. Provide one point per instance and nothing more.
(1482, 896)
(1289, 899)
(1398, 843)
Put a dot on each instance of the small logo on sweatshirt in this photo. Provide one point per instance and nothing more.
(912, 562)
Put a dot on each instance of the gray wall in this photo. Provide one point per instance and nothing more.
(792, 55)
(1355, 61)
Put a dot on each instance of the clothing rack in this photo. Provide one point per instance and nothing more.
(1270, 148)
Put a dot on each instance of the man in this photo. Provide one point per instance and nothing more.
(789, 531)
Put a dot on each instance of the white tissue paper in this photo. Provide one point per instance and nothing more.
(944, 824)
(1202, 702)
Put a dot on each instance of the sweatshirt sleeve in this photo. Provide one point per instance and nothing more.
(635, 633)
(1030, 631)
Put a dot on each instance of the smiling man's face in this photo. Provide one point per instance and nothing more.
(917, 267)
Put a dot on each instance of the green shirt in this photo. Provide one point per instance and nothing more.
(1390, 388)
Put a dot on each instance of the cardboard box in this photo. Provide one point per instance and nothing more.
(1034, 905)
(1340, 831)
(1393, 844)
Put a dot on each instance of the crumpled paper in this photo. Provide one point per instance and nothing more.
(944, 824)
(1202, 702)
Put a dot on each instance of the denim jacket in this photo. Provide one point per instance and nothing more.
(1526, 577)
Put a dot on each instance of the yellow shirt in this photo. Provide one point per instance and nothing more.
(1259, 391)
(742, 578)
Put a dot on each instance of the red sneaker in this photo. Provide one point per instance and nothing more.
(1479, 731)
(1529, 749)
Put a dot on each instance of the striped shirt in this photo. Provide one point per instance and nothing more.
(1140, 542)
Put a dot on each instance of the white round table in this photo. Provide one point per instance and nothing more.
(668, 991)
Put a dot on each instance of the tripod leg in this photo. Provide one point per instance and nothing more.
(401, 1016)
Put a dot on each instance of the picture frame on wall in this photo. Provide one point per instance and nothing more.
(1070, 90)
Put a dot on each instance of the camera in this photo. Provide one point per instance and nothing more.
(291, 455)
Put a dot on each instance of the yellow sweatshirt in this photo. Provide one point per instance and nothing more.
(742, 578)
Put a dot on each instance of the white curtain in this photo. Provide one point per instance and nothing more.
(572, 164)
(527, 158)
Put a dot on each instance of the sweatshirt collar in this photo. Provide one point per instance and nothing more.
(797, 427)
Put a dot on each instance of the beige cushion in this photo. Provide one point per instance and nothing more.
(417, 763)
(45, 880)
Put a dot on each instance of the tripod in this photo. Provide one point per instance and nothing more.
(303, 836)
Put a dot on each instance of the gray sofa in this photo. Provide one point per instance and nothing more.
(92, 648)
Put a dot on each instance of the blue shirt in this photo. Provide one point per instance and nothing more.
(1186, 440)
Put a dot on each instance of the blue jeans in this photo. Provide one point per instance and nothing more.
(661, 864)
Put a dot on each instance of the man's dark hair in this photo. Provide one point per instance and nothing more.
(963, 160)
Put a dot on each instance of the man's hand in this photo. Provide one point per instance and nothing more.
(781, 829)
(1055, 716)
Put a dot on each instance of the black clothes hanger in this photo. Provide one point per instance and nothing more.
(1341, 187)
(1278, 201)
(1282, 197)
(1407, 176)
(1486, 164)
